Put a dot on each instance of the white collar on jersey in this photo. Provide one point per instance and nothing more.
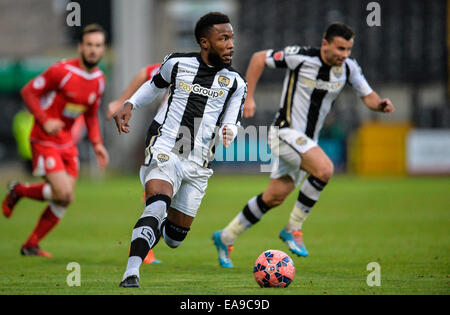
(84, 74)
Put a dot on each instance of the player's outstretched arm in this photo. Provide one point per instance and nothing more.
(375, 103)
(254, 71)
(116, 105)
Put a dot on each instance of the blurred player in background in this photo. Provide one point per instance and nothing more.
(56, 98)
(205, 103)
(144, 75)
(313, 80)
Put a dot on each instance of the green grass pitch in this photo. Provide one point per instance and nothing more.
(402, 224)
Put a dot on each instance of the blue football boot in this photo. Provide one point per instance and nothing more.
(294, 240)
(223, 250)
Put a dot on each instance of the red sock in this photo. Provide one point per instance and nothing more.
(33, 191)
(46, 223)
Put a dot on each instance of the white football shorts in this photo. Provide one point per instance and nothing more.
(189, 180)
(286, 145)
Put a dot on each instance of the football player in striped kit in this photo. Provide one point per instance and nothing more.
(145, 74)
(205, 103)
(314, 78)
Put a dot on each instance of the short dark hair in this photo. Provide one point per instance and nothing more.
(207, 21)
(338, 29)
(92, 28)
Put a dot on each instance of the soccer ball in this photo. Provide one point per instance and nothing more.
(274, 268)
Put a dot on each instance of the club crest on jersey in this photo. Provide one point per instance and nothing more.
(162, 157)
(223, 81)
(301, 141)
(200, 90)
(337, 71)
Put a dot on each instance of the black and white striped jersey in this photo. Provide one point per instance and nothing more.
(311, 86)
(202, 99)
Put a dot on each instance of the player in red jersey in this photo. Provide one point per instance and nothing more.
(56, 98)
(144, 75)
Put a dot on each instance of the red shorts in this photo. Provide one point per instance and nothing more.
(49, 159)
